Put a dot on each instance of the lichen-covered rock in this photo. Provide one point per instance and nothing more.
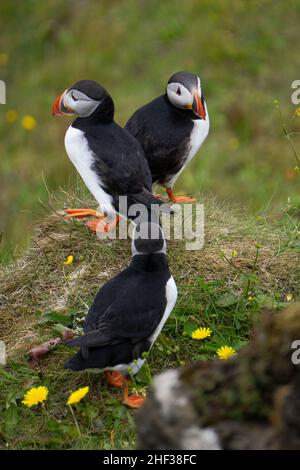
(251, 401)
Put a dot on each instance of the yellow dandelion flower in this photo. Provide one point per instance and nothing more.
(250, 298)
(11, 116)
(34, 396)
(78, 395)
(234, 254)
(3, 58)
(225, 352)
(201, 333)
(69, 260)
(28, 122)
(297, 112)
(289, 297)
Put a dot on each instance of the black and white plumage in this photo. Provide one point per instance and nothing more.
(172, 127)
(130, 310)
(109, 159)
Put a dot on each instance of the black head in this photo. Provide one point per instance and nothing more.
(85, 98)
(184, 92)
(148, 238)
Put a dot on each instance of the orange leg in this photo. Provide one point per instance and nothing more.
(115, 379)
(101, 226)
(133, 401)
(179, 199)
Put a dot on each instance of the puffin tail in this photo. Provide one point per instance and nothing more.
(146, 198)
(76, 362)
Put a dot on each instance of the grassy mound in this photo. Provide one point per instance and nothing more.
(245, 264)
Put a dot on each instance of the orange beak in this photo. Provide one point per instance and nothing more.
(56, 107)
(198, 106)
(59, 109)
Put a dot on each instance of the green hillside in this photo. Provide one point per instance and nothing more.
(247, 265)
(247, 54)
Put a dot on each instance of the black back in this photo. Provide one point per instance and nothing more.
(164, 133)
(125, 312)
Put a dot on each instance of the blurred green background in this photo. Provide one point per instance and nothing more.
(246, 52)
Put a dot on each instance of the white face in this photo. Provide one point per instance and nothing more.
(180, 96)
(76, 102)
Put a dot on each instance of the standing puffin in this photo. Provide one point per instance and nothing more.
(128, 313)
(109, 159)
(171, 129)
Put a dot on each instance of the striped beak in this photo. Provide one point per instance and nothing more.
(198, 105)
(59, 109)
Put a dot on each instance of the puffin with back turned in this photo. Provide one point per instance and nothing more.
(109, 159)
(171, 129)
(128, 313)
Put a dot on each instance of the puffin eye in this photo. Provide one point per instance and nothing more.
(74, 97)
(178, 92)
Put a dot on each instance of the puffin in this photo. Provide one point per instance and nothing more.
(171, 130)
(109, 159)
(128, 314)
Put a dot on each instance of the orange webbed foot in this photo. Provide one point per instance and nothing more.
(101, 226)
(135, 400)
(180, 199)
(115, 379)
(183, 200)
(82, 213)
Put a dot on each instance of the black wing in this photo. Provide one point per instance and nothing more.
(119, 160)
(133, 315)
(164, 135)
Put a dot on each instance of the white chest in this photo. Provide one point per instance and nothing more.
(198, 136)
(171, 295)
(82, 158)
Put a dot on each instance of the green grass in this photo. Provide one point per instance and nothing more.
(245, 52)
(247, 55)
(247, 264)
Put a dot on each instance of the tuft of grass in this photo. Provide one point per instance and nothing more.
(246, 263)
